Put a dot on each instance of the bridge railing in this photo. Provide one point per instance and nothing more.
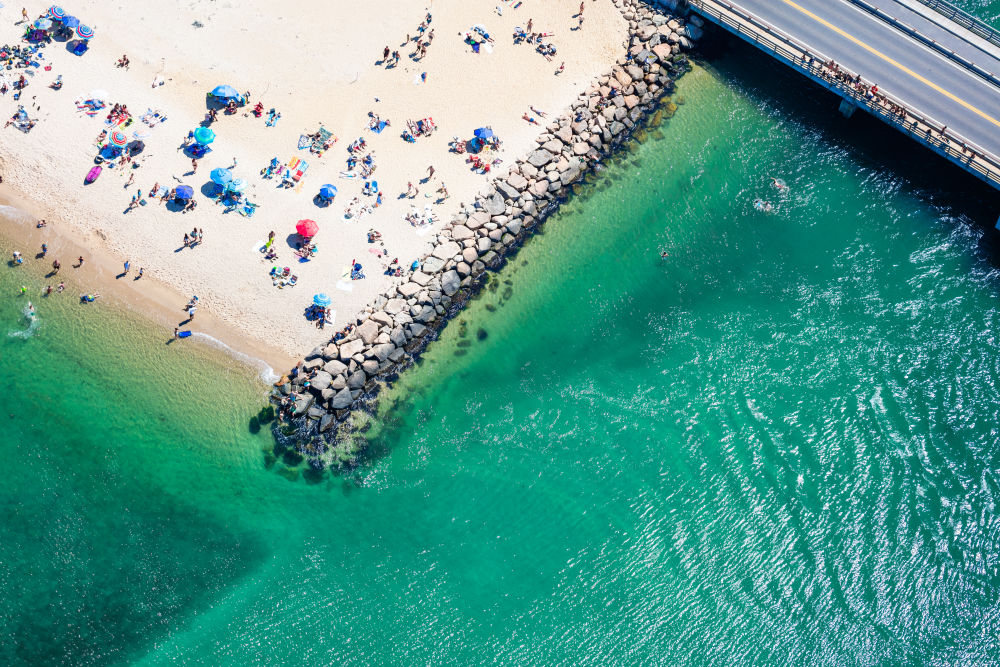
(970, 23)
(851, 86)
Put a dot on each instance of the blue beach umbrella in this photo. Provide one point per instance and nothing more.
(237, 185)
(204, 135)
(221, 176)
(328, 191)
(322, 300)
(43, 24)
(224, 92)
(56, 13)
(483, 133)
(84, 31)
(70, 22)
(184, 192)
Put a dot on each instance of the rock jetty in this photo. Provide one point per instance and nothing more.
(336, 379)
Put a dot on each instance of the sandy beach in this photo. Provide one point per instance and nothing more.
(317, 65)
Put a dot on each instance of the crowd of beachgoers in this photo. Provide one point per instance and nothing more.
(295, 228)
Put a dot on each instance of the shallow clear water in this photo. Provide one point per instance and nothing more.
(776, 445)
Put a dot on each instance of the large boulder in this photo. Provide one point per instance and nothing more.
(507, 191)
(356, 380)
(303, 403)
(517, 181)
(448, 249)
(495, 204)
(350, 348)
(334, 367)
(368, 330)
(383, 351)
(434, 264)
(406, 290)
(321, 380)
(478, 219)
(393, 306)
(565, 134)
(540, 158)
(461, 232)
(341, 400)
(450, 282)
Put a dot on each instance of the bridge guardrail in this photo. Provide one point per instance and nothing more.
(921, 126)
(967, 21)
(937, 46)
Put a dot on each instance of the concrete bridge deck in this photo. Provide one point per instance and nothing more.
(936, 81)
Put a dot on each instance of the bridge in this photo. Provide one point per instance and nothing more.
(922, 66)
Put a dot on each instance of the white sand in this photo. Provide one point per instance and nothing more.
(314, 62)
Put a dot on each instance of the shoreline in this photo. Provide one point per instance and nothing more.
(157, 302)
(325, 399)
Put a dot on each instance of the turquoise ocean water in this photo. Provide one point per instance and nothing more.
(777, 445)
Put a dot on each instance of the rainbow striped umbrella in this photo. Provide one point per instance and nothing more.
(84, 31)
(118, 138)
(57, 13)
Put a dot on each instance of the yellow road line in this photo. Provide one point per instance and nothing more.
(889, 60)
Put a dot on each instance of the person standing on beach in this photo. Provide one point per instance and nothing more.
(55, 266)
(175, 333)
(194, 165)
(430, 172)
(79, 262)
(45, 249)
(127, 267)
(562, 67)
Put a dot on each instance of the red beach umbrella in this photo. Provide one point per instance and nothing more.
(307, 228)
(118, 138)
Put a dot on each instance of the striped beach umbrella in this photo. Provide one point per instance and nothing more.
(118, 138)
(237, 185)
(322, 299)
(84, 31)
(56, 13)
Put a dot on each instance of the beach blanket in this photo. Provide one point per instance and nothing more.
(324, 136)
(378, 127)
(304, 141)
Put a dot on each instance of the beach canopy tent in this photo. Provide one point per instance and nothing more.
(307, 228)
(43, 23)
(70, 22)
(56, 13)
(328, 191)
(204, 135)
(237, 185)
(136, 147)
(221, 176)
(483, 133)
(323, 300)
(184, 192)
(118, 138)
(84, 32)
(225, 92)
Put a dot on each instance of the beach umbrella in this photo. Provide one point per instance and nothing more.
(70, 22)
(307, 228)
(84, 31)
(184, 192)
(221, 176)
(483, 133)
(43, 24)
(224, 92)
(237, 185)
(136, 147)
(204, 135)
(328, 191)
(322, 300)
(56, 13)
(118, 138)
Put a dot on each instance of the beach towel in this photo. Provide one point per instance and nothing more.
(379, 127)
(304, 141)
(324, 136)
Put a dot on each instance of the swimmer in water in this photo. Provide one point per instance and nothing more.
(61, 287)
(779, 184)
(664, 254)
(31, 310)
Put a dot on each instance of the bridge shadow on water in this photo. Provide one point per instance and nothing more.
(871, 143)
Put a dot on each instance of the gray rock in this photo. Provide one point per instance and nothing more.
(528, 170)
(397, 355)
(350, 348)
(383, 317)
(450, 282)
(321, 380)
(447, 250)
(383, 351)
(315, 362)
(341, 400)
(315, 412)
(540, 158)
(420, 278)
(398, 337)
(461, 232)
(393, 306)
(368, 330)
(369, 367)
(303, 403)
(571, 175)
(517, 181)
(325, 422)
(357, 379)
(339, 382)
(417, 329)
(483, 243)
(616, 128)
(478, 219)
(514, 226)
(334, 367)
(507, 191)
(635, 72)
(565, 134)
(407, 290)
(427, 314)
(470, 255)
(494, 205)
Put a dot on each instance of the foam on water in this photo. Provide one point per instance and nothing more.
(265, 372)
(30, 317)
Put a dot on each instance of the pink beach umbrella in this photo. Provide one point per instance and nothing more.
(84, 31)
(57, 13)
(118, 138)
